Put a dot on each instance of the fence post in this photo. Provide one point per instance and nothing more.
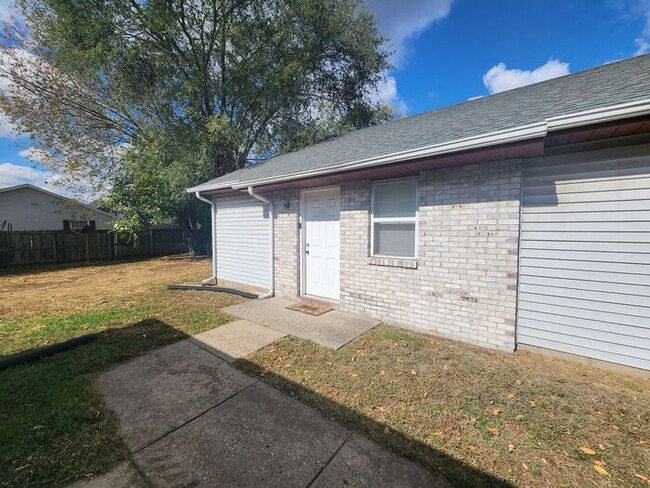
(109, 245)
(152, 245)
(55, 248)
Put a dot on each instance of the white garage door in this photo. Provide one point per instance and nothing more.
(585, 255)
(243, 237)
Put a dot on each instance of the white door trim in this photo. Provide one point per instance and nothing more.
(302, 224)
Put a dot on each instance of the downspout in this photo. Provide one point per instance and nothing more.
(212, 280)
(252, 193)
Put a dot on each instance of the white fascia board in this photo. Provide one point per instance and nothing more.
(475, 142)
(517, 134)
(600, 115)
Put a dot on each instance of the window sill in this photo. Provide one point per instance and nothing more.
(409, 263)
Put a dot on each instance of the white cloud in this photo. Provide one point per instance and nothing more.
(387, 94)
(499, 78)
(13, 174)
(34, 154)
(8, 9)
(403, 20)
(643, 42)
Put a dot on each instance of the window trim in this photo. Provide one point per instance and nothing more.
(393, 220)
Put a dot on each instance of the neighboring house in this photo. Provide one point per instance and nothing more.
(522, 218)
(27, 207)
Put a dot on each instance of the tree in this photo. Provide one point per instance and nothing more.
(152, 97)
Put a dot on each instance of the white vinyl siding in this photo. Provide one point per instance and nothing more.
(242, 233)
(584, 282)
(394, 218)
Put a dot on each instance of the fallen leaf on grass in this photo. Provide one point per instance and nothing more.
(386, 430)
(600, 470)
(599, 463)
(544, 461)
(496, 412)
(587, 450)
(425, 394)
(413, 372)
(445, 367)
(518, 382)
(533, 403)
(382, 373)
(354, 375)
(511, 396)
(644, 442)
(641, 477)
(354, 358)
(472, 447)
(493, 430)
(511, 447)
(525, 466)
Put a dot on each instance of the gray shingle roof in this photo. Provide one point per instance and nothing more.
(604, 86)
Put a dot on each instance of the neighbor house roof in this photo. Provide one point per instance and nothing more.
(56, 195)
(610, 92)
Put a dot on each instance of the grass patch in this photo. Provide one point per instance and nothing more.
(478, 417)
(54, 426)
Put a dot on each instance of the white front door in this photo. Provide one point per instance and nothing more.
(321, 242)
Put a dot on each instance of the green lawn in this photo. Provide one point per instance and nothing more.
(54, 426)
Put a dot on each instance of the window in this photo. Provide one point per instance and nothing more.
(394, 218)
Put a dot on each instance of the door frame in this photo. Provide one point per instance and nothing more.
(302, 288)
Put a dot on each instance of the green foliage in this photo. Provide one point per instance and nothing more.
(157, 96)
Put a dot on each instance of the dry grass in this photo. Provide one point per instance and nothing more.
(54, 426)
(461, 411)
(64, 289)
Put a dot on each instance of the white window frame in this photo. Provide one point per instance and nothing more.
(393, 220)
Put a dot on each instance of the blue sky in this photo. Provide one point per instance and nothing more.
(448, 51)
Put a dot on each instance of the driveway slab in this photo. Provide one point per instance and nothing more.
(236, 339)
(260, 437)
(362, 463)
(333, 329)
(160, 391)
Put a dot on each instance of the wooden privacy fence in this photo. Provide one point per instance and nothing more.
(51, 247)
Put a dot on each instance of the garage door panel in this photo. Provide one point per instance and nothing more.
(527, 316)
(601, 196)
(584, 284)
(589, 337)
(587, 294)
(607, 266)
(620, 216)
(243, 237)
(596, 256)
(586, 207)
(580, 350)
(573, 274)
(592, 184)
(627, 312)
(631, 247)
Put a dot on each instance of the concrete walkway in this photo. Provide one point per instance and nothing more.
(191, 419)
(333, 329)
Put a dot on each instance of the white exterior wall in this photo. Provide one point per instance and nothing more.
(28, 209)
(585, 255)
(242, 236)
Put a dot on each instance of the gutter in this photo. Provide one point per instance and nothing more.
(252, 193)
(212, 280)
(517, 134)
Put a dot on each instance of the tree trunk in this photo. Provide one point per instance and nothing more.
(189, 234)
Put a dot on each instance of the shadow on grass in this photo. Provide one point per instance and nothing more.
(453, 471)
(55, 427)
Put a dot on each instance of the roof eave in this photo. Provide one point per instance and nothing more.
(516, 134)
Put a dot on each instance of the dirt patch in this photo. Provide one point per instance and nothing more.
(50, 290)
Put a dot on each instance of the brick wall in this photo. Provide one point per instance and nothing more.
(463, 283)
(286, 205)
